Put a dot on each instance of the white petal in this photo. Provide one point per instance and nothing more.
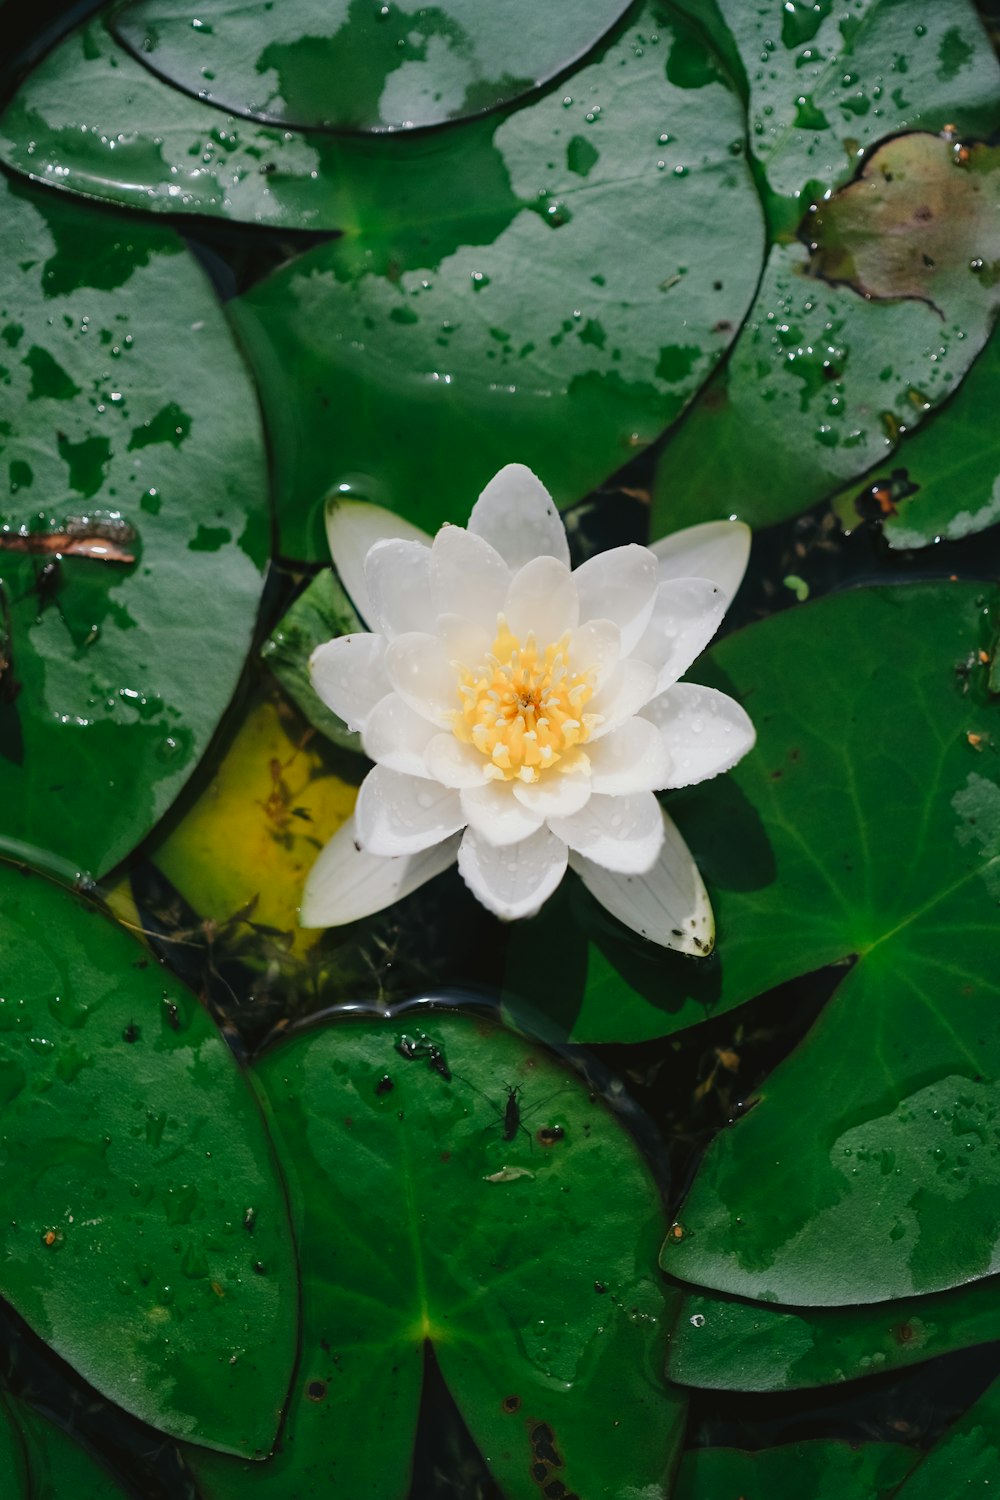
(706, 731)
(467, 577)
(397, 814)
(629, 688)
(632, 758)
(455, 764)
(352, 528)
(397, 577)
(619, 585)
(349, 675)
(515, 881)
(717, 550)
(346, 883)
(687, 613)
(518, 516)
(619, 833)
(595, 647)
(542, 599)
(496, 815)
(555, 794)
(423, 677)
(668, 904)
(397, 737)
(464, 642)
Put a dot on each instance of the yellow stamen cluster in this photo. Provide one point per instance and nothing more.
(523, 708)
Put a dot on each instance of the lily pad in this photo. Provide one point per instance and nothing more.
(944, 481)
(321, 612)
(854, 336)
(824, 83)
(795, 1471)
(145, 1236)
(725, 1344)
(13, 1461)
(966, 1459)
(57, 1465)
(864, 826)
(352, 65)
(565, 320)
(132, 450)
(429, 1209)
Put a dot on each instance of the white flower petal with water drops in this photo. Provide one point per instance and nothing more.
(535, 708)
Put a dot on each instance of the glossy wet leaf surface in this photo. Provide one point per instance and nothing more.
(863, 750)
(561, 314)
(944, 480)
(822, 383)
(127, 426)
(966, 1460)
(352, 65)
(145, 1235)
(795, 1471)
(748, 1346)
(416, 1220)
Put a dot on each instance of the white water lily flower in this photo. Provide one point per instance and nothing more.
(521, 716)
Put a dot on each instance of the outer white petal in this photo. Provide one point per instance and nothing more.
(397, 577)
(464, 642)
(595, 646)
(629, 688)
(349, 675)
(397, 814)
(515, 881)
(686, 615)
(619, 833)
(496, 815)
(707, 732)
(717, 550)
(556, 794)
(352, 527)
(455, 764)
(632, 758)
(397, 737)
(668, 904)
(346, 884)
(467, 577)
(619, 585)
(416, 666)
(542, 598)
(518, 516)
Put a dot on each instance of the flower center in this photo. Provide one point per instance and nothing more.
(522, 708)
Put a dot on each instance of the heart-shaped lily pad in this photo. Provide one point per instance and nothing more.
(145, 1234)
(438, 1173)
(793, 1471)
(865, 825)
(133, 527)
(358, 66)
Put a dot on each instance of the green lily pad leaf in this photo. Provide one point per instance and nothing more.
(945, 479)
(13, 1461)
(57, 1465)
(966, 1460)
(355, 66)
(747, 1346)
(824, 84)
(852, 339)
(865, 825)
(131, 448)
(429, 1208)
(562, 319)
(795, 1471)
(145, 1236)
(321, 612)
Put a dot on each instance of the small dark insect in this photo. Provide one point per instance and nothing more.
(172, 1014)
(880, 500)
(512, 1113)
(385, 1085)
(131, 1033)
(412, 1047)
